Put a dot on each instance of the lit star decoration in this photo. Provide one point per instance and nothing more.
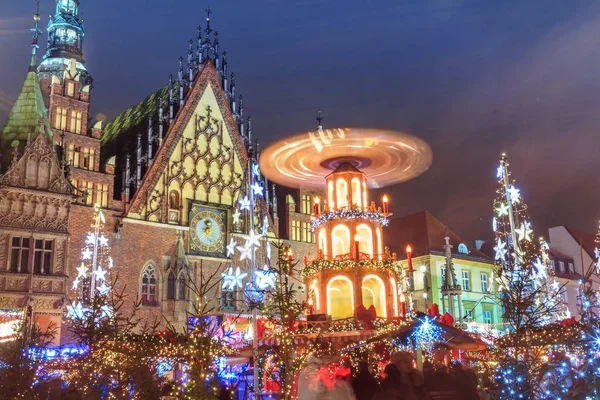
(103, 240)
(244, 203)
(514, 194)
(500, 249)
(500, 172)
(103, 289)
(90, 238)
(246, 252)
(265, 278)
(555, 285)
(236, 216)
(540, 270)
(100, 274)
(427, 334)
(252, 239)
(502, 209)
(76, 311)
(256, 170)
(231, 247)
(106, 311)
(257, 189)
(82, 270)
(86, 254)
(524, 231)
(75, 283)
(231, 280)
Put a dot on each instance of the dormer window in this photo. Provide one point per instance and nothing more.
(462, 248)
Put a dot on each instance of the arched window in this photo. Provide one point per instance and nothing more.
(341, 187)
(174, 200)
(340, 240)
(323, 241)
(181, 286)
(356, 193)
(365, 239)
(171, 286)
(373, 294)
(462, 248)
(149, 285)
(340, 297)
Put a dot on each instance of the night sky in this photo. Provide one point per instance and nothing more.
(473, 78)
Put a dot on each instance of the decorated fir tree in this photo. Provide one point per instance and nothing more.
(528, 292)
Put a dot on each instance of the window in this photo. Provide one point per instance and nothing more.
(86, 190)
(60, 119)
(295, 232)
(552, 266)
(149, 285)
(102, 195)
(70, 89)
(19, 256)
(462, 248)
(561, 266)
(305, 204)
(307, 235)
(171, 286)
(87, 159)
(73, 155)
(571, 268)
(487, 316)
(465, 278)
(228, 300)
(76, 118)
(42, 256)
(564, 295)
(443, 276)
(484, 283)
(469, 315)
(181, 287)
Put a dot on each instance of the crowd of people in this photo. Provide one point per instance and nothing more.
(402, 381)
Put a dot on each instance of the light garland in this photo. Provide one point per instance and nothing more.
(348, 214)
(315, 266)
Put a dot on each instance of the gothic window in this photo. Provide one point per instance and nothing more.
(462, 248)
(295, 231)
(149, 285)
(42, 256)
(19, 258)
(102, 195)
(88, 190)
(60, 120)
(76, 118)
(87, 159)
(73, 155)
(31, 172)
(305, 204)
(70, 89)
(171, 286)
(181, 287)
(174, 200)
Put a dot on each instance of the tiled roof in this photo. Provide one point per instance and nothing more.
(28, 112)
(425, 234)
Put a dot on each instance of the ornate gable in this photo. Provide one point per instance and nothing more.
(37, 169)
(202, 157)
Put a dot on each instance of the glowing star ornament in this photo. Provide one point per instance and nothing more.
(231, 247)
(246, 252)
(257, 189)
(82, 270)
(265, 278)
(103, 289)
(500, 172)
(524, 231)
(540, 269)
(231, 280)
(500, 249)
(256, 170)
(555, 285)
(100, 274)
(103, 240)
(502, 209)
(514, 194)
(244, 203)
(90, 238)
(76, 311)
(86, 254)
(75, 283)
(252, 239)
(236, 216)
(106, 311)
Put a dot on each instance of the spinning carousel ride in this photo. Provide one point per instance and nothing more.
(352, 271)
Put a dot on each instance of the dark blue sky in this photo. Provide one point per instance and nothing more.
(474, 78)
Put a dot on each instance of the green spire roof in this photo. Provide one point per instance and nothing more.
(25, 118)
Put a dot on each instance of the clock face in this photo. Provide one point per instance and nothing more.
(207, 230)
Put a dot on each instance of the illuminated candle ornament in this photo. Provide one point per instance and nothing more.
(409, 258)
(385, 204)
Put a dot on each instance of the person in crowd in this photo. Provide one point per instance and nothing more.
(391, 387)
(463, 382)
(342, 390)
(412, 380)
(364, 384)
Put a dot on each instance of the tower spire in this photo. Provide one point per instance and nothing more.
(35, 32)
(320, 119)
